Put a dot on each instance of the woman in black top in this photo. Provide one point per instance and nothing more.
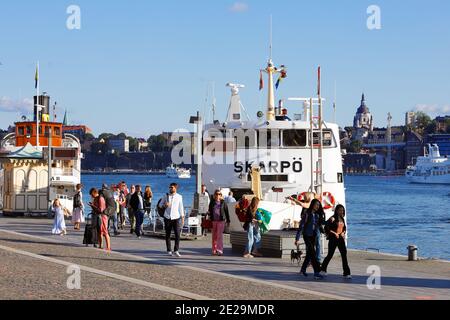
(337, 230)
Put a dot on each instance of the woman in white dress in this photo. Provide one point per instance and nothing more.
(59, 225)
(78, 208)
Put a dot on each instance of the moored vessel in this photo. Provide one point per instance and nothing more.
(292, 155)
(39, 163)
(432, 168)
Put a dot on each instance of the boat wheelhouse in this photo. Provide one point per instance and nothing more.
(39, 163)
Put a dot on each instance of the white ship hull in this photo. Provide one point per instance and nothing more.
(444, 179)
(430, 169)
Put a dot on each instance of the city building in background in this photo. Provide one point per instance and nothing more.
(119, 145)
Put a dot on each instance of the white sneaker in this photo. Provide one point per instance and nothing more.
(323, 274)
(170, 253)
(177, 254)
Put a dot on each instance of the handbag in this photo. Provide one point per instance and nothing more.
(207, 224)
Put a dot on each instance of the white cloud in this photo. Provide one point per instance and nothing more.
(239, 7)
(433, 109)
(10, 105)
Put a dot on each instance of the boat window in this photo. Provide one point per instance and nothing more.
(57, 132)
(268, 138)
(21, 131)
(29, 130)
(294, 138)
(327, 139)
(245, 139)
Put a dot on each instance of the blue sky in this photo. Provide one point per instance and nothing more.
(144, 67)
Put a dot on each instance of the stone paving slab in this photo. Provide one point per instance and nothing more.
(24, 278)
(400, 279)
(213, 286)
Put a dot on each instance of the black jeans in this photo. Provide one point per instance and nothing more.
(311, 256)
(332, 245)
(176, 226)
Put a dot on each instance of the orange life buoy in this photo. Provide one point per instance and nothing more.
(301, 197)
(328, 200)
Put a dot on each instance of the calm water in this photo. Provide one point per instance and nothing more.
(384, 213)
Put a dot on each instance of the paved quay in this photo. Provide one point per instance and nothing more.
(140, 269)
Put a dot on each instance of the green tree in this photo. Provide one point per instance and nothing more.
(122, 136)
(422, 121)
(99, 148)
(431, 128)
(89, 137)
(355, 146)
(105, 136)
(156, 143)
(133, 144)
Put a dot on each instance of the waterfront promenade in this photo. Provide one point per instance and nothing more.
(34, 266)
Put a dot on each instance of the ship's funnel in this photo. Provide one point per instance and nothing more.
(44, 104)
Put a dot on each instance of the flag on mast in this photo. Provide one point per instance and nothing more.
(283, 75)
(36, 77)
(261, 81)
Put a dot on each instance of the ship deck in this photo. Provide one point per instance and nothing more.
(140, 269)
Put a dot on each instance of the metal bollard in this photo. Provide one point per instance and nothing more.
(412, 253)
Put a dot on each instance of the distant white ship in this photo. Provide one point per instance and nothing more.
(179, 173)
(430, 169)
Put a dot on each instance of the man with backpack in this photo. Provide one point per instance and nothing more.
(111, 208)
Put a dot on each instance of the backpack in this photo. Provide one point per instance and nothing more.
(110, 202)
(161, 211)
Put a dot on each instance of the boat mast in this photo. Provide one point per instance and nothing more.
(270, 71)
(37, 105)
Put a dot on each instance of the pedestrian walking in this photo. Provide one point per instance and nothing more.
(78, 208)
(123, 191)
(204, 193)
(98, 205)
(308, 226)
(148, 198)
(59, 224)
(137, 205)
(131, 215)
(219, 215)
(253, 231)
(173, 218)
(108, 195)
(337, 230)
(230, 198)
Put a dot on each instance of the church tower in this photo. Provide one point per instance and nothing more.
(363, 118)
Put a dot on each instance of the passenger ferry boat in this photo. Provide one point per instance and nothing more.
(431, 168)
(28, 155)
(177, 173)
(294, 156)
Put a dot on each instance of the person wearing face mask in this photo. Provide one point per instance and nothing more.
(173, 218)
(337, 230)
